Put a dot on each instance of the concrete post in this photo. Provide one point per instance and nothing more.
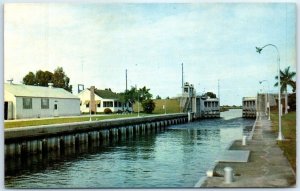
(33, 146)
(23, 149)
(228, 175)
(57, 142)
(127, 131)
(39, 146)
(146, 126)
(120, 133)
(67, 140)
(189, 116)
(51, 144)
(9, 150)
(116, 133)
(209, 173)
(28, 147)
(244, 140)
(18, 149)
(86, 137)
(144, 129)
(97, 136)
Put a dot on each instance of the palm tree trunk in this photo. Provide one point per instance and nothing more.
(286, 102)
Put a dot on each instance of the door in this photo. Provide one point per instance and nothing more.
(55, 110)
(5, 110)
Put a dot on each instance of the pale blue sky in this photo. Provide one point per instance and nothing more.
(95, 43)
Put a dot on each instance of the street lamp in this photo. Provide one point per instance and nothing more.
(280, 136)
(268, 96)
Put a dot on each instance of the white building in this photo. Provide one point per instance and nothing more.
(24, 101)
(200, 106)
(101, 99)
(209, 107)
(249, 107)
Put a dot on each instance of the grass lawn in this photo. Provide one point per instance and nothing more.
(172, 106)
(34, 122)
(288, 126)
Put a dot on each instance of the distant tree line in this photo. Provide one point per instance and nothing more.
(42, 78)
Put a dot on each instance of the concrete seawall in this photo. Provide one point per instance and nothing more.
(24, 141)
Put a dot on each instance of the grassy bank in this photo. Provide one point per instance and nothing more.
(289, 132)
(172, 106)
(48, 121)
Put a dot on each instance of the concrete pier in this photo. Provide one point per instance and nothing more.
(72, 136)
(267, 166)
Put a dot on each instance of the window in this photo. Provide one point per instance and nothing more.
(55, 106)
(87, 105)
(99, 104)
(116, 104)
(45, 103)
(107, 104)
(27, 103)
(205, 104)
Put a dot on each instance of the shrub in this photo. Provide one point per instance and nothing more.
(107, 111)
(148, 105)
(119, 111)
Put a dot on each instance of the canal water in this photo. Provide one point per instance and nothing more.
(176, 157)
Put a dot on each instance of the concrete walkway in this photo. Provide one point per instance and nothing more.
(267, 166)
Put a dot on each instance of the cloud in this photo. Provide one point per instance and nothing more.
(95, 43)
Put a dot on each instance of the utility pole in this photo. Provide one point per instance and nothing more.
(126, 80)
(219, 90)
(182, 76)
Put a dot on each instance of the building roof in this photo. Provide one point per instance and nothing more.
(21, 90)
(212, 99)
(106, 94)
(249, 98)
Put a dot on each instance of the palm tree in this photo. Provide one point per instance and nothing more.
(144, 94)
(286, 79)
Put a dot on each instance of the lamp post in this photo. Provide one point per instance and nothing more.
(268, 96)
(280, 137)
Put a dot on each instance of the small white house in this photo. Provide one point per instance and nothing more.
(101, 99)
(24, 101)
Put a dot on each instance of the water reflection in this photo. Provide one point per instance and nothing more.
(177, 157)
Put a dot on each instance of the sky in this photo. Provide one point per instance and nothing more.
(96, 43)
